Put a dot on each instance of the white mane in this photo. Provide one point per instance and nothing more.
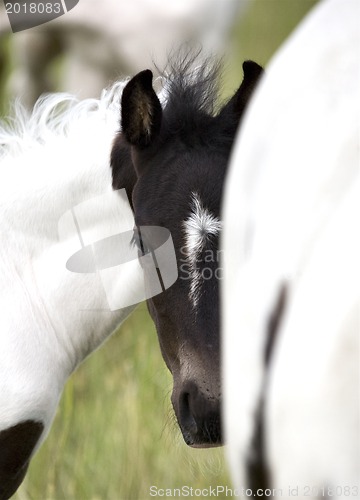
(63, 143)
(55, 115)
(61, 139)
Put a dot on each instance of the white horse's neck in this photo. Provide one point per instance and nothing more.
(47, 327)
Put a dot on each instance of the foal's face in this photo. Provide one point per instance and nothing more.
(173, 162)
(177, 196)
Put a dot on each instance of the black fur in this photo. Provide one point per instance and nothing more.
(191, 114)
(252, 72)
(185, 149)
(140, 110)
(258, 471)
(16, 446)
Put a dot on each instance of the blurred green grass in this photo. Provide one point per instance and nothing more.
(115, 434)
(260, 31)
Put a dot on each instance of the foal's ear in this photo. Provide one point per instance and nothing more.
(140, 111)
(238, 102)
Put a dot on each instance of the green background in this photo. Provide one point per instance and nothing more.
(115, 434)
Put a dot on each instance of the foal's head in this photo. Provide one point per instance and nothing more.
(172, 160)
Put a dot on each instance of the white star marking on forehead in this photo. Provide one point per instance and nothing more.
(198, 227)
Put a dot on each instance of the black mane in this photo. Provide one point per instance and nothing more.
(192, 87)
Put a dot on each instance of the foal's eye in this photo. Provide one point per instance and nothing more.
(139, 241)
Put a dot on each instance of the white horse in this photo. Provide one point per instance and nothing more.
(55, 180)
(291, 260)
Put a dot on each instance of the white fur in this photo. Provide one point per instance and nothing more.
(50, 162)
(198, 227)
(291, 216)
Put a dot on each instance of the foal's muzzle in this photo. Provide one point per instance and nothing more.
(199, 418)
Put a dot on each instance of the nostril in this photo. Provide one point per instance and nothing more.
(187, 419)
(199, 417)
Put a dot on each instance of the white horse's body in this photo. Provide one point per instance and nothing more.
(51, 318)
(292, 223)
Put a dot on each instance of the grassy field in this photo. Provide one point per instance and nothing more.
(115, 435)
